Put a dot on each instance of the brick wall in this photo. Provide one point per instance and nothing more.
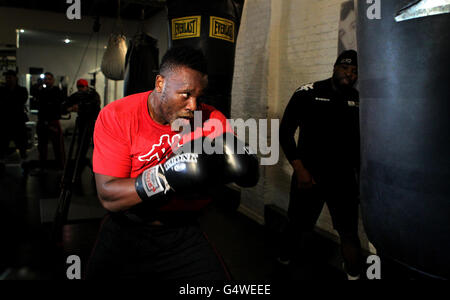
(250, 83)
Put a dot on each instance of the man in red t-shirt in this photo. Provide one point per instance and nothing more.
(153, 183)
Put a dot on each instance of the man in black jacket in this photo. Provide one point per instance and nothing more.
(50, 98)
(86, 102)
(326, 158)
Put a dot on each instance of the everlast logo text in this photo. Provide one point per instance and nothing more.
(221, 29)
(185, 28)
(188, 27)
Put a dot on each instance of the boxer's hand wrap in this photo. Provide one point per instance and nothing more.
(151, 182)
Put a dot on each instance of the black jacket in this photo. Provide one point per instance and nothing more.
(50, 103)
(329, 128)
(12, 104)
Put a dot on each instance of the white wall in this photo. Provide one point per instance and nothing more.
(250, 85)
(281, 45)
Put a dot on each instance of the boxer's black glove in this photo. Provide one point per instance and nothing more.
(230, 161)
(188, 171)
(241, 166)
(185, 172)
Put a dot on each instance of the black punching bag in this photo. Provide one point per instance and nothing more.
(211, 26)
(404, 77)
(141, 64)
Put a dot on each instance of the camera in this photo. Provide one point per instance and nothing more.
(88, 103)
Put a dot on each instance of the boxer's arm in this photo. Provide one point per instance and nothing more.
(116, 194)
(183, 174)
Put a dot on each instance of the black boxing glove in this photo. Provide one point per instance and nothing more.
(184, 172)
(194, 167)
(241, 166)
(152, 183)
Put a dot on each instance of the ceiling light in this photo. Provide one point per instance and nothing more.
(66, 41)
(22, 31)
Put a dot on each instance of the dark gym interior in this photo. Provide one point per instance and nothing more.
(50, 208)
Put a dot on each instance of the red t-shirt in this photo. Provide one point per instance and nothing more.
(127, 141)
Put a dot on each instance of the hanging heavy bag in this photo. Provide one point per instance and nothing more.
(141, 65)
(113, 62)
(211, 26)
(405, 145)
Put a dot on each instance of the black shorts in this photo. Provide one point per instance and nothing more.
(305, 205)
(127, 249)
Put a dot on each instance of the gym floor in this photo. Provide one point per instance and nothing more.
(28, 204)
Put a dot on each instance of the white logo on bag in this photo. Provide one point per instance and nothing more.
(322, 99)
(159, 150)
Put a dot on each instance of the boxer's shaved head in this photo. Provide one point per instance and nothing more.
(183, 57)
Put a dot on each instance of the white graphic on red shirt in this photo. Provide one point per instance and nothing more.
(163, 148)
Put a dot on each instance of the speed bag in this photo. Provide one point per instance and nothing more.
(113, 61)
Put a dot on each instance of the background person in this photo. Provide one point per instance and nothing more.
(86, 102)
(13, 117)
(325, 160)
(49, 101)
